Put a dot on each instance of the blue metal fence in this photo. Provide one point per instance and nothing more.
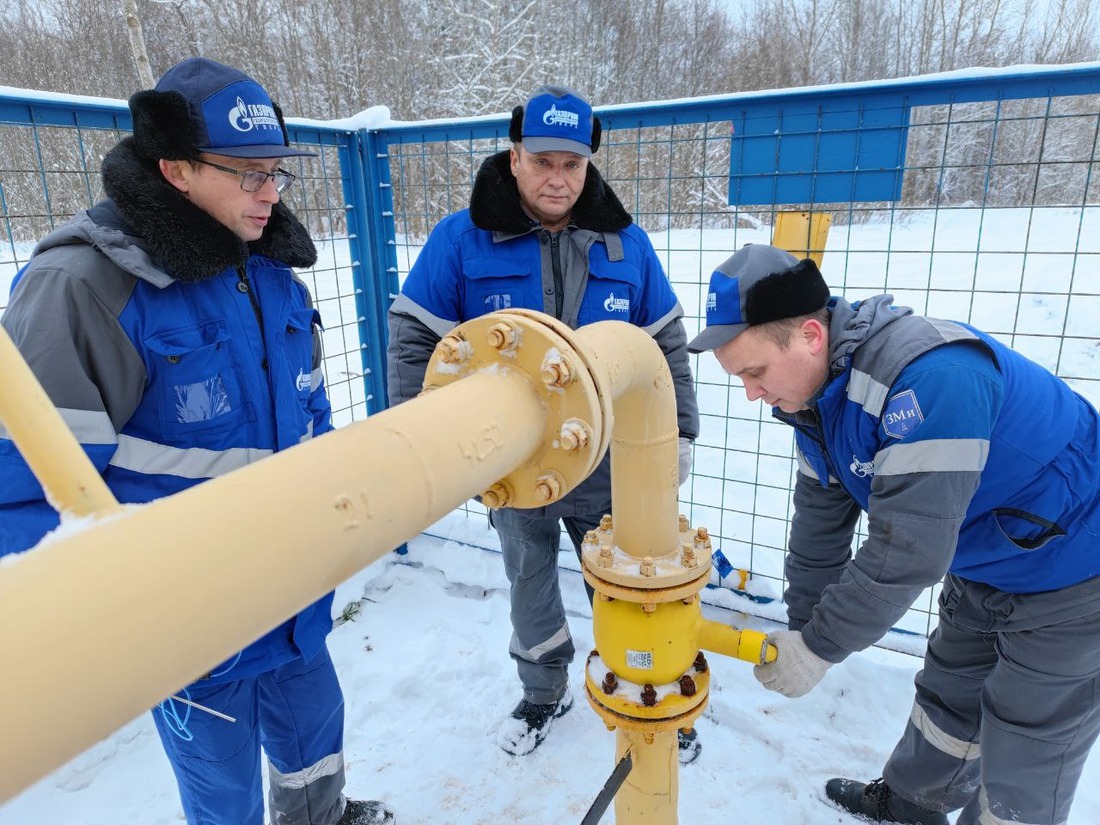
(972, 195)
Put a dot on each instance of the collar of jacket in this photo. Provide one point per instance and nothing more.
(187, 241)
(850, 325)
(495, 206)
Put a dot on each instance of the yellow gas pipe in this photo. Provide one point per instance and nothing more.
(647, 677)
(529, 419)
(70, 481)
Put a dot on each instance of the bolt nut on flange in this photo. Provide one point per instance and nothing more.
(575, 435)
(556, 372)
(497, 496)
(454, 349)
(702, 541)
(548, 487)
(503, 337)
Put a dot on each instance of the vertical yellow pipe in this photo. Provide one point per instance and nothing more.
(644, 489)
(644, 437)
(70, 480)
(245, 551)
(650, 791)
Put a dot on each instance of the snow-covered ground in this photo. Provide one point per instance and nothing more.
(427, 680)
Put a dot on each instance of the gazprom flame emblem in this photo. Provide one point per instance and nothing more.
(244, 117)
(558, 117)
(613, 304)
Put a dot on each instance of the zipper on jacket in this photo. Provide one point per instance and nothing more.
(245, 286)
(816, 433)
(555, 265)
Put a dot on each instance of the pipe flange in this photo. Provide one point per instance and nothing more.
(625, 704)
(677, 571)
(588, 358)
(578, 416)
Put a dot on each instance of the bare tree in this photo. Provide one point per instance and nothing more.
(137, 43)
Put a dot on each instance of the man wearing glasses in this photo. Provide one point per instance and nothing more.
(169, 329)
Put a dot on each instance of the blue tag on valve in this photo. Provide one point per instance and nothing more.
(721, 563)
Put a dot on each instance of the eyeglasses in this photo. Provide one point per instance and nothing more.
(254, 181)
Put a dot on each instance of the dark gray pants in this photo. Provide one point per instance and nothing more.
(541, 645)
(1007, 705)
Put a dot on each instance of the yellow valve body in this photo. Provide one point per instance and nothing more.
(655, 647)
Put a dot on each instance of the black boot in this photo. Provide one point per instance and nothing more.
(529, 724)
(688, 746)
(878, 803)
(370, 812)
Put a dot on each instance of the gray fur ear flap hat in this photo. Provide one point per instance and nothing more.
(200, 105)
(757, 284)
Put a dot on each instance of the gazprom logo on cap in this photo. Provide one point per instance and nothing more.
(244, 117)
(728, 309)
(560, 117)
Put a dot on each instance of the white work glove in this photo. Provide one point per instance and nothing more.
(685, 459)
(795, 670)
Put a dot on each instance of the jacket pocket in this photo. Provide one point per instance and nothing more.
(612, 292)
(493, 284)
(1025, 530)
(195, 379)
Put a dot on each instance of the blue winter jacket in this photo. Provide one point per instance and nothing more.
(965, 455)
(175, 354)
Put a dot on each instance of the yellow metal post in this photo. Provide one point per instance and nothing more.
(803, 234)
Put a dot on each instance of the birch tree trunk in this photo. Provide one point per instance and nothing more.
(137, 44)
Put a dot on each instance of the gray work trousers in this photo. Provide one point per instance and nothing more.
(1007, 705)
(541, 645)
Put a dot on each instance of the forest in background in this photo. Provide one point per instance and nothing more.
(431, 59)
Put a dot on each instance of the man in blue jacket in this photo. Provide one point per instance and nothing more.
(543, 232)
(167, 326)
(971, 462)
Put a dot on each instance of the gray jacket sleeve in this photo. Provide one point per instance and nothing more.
(820, 545)
(70, 336)
(672, 339)
(410, 348)
(913, 524)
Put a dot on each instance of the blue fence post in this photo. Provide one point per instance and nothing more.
(366, 278)
(383, 243)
